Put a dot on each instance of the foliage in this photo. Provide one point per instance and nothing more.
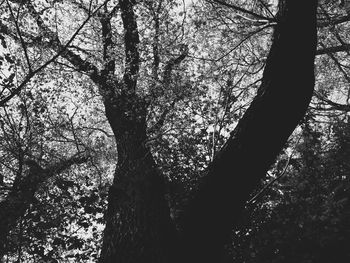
(305, 218)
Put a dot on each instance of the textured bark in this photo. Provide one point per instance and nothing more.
(281, 102)
(138, 225)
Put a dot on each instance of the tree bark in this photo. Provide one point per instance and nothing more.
(279, 105)
(138, 224)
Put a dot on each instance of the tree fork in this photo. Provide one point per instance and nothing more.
(138, 224)
(280, 103)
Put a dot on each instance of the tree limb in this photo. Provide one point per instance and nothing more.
(334, 21)
(108, 57)
(131, 42)
(334, 49)
(334, 105)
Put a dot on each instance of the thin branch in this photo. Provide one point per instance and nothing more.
(335, 106)
(335, 49)
(340, 68)
(243, 40)
(337, 21)
(20, 37)
(266, 8)
(240, 9)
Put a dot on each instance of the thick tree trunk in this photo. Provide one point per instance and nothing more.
(281, 102)
(138, 224)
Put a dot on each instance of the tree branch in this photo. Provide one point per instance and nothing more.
(334, 49)
(335, 106)
(108, 58)
(334, 21)
(245, 11)
(131, 42)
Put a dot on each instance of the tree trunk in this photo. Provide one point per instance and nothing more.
(281, 102)
(138, 224)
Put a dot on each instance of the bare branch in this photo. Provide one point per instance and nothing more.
(245, 11)
(334, 21)
(245, 39)
(266, 8)
(334, 49)
(334, 105)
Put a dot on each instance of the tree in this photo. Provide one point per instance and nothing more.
(138, 223)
